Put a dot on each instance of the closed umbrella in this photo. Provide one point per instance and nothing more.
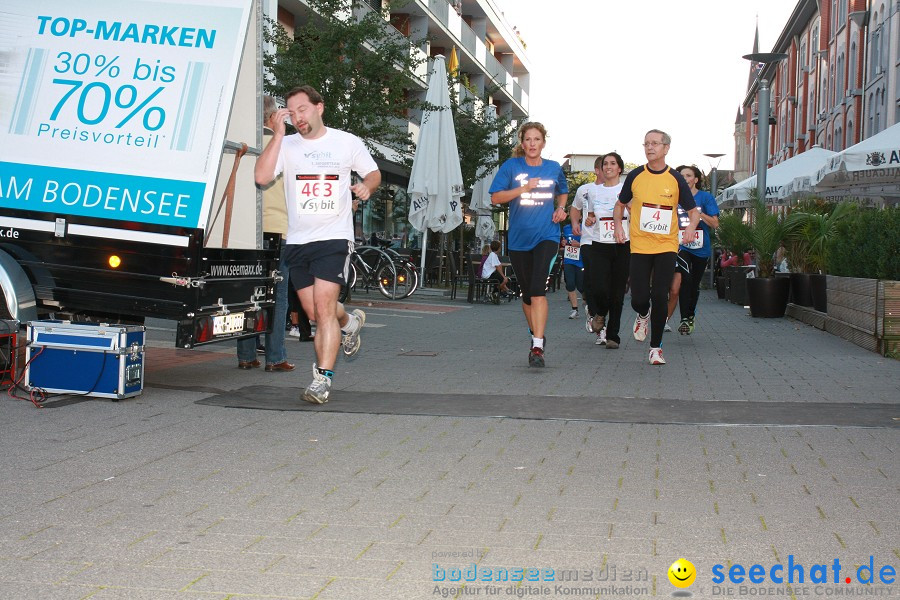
(435, 184)
(481, 197)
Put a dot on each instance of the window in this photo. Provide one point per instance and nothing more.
(838, 140)
(871, 113)
(879, 103)
(834, 11)
(839, 85)
(851, 79)
(876, 53)
(850, 140)
(842, 13)
(831, 86)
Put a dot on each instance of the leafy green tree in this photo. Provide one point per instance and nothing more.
(474, 128)
(361, 65)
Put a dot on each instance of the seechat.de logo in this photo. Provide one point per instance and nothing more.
(796, 573)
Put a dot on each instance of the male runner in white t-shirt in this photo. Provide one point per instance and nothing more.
(317, 162)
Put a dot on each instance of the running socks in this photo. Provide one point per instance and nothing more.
(352, 324)
(537, 342)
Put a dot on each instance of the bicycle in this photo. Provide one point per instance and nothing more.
(370, 267)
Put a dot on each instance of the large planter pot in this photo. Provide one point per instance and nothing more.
(768, 296)
(722, 287)
(737, 284)
(817, 287)
(800, 292)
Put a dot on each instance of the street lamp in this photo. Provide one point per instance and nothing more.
(713, 171)
(762, 125)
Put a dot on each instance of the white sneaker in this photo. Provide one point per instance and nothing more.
(573, 314)
(587, 322)
(601, 337)
(318, 391)
(640, 327)
(351, 342)
(656, 357)
(667, 327)
(294, 332)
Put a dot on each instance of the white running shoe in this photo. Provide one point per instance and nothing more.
(318, 391)
(601, 337)
(351, 342)
(640, 327)
(656, 357)
(294, 332)
(667, 327)
(573, 314)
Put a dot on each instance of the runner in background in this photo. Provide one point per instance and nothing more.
(577, 215)
(609, 259)
(573, 268)
(696, 252)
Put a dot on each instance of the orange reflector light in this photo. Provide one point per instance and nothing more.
(115, 261)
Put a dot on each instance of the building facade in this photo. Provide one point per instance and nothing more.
(837, 86)
(491, 55)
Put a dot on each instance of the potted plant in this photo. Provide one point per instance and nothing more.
(732, 234)
(766, 294)
(810, 229)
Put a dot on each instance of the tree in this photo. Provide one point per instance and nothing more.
(474, 129)
(360, 64)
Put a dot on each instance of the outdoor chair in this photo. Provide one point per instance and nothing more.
(480, 289)
(456, 276)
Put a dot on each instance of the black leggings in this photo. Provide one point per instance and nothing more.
(690, 284)
(651, 278)
(532, 267)
(609, 276)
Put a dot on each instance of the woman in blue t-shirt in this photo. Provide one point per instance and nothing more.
(535, 189)
(693, 254)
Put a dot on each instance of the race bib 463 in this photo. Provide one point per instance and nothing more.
(317, 194)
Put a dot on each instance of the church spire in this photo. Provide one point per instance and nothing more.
(754, 67)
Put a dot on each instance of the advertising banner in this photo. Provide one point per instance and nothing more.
(116, 110)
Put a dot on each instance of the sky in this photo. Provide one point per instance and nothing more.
(604, 72)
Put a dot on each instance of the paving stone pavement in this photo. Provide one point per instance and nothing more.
(157, 497)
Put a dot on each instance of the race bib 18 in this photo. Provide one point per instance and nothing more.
(606, 230)
(317, 194)
(656, 218)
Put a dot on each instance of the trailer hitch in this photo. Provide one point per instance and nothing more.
(189, 282)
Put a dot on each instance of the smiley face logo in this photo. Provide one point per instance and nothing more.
(682, 573)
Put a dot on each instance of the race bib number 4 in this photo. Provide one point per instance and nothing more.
(696, 243)
(317, 194)
(656, 219)
(573, 253)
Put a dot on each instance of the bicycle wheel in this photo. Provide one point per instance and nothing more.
(413, 276)
(349, 284)
(394, 281)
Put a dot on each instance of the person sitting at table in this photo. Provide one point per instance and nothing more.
(492, 268)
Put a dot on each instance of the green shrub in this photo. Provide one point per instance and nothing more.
(867, 244)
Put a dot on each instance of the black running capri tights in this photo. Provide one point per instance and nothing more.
(532, 267)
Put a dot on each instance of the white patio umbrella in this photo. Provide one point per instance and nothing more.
(869, 168)
(481, 197)
(801, 164)
(801, 186)
(435, 184)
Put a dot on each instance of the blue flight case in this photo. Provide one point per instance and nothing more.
(89, 359)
